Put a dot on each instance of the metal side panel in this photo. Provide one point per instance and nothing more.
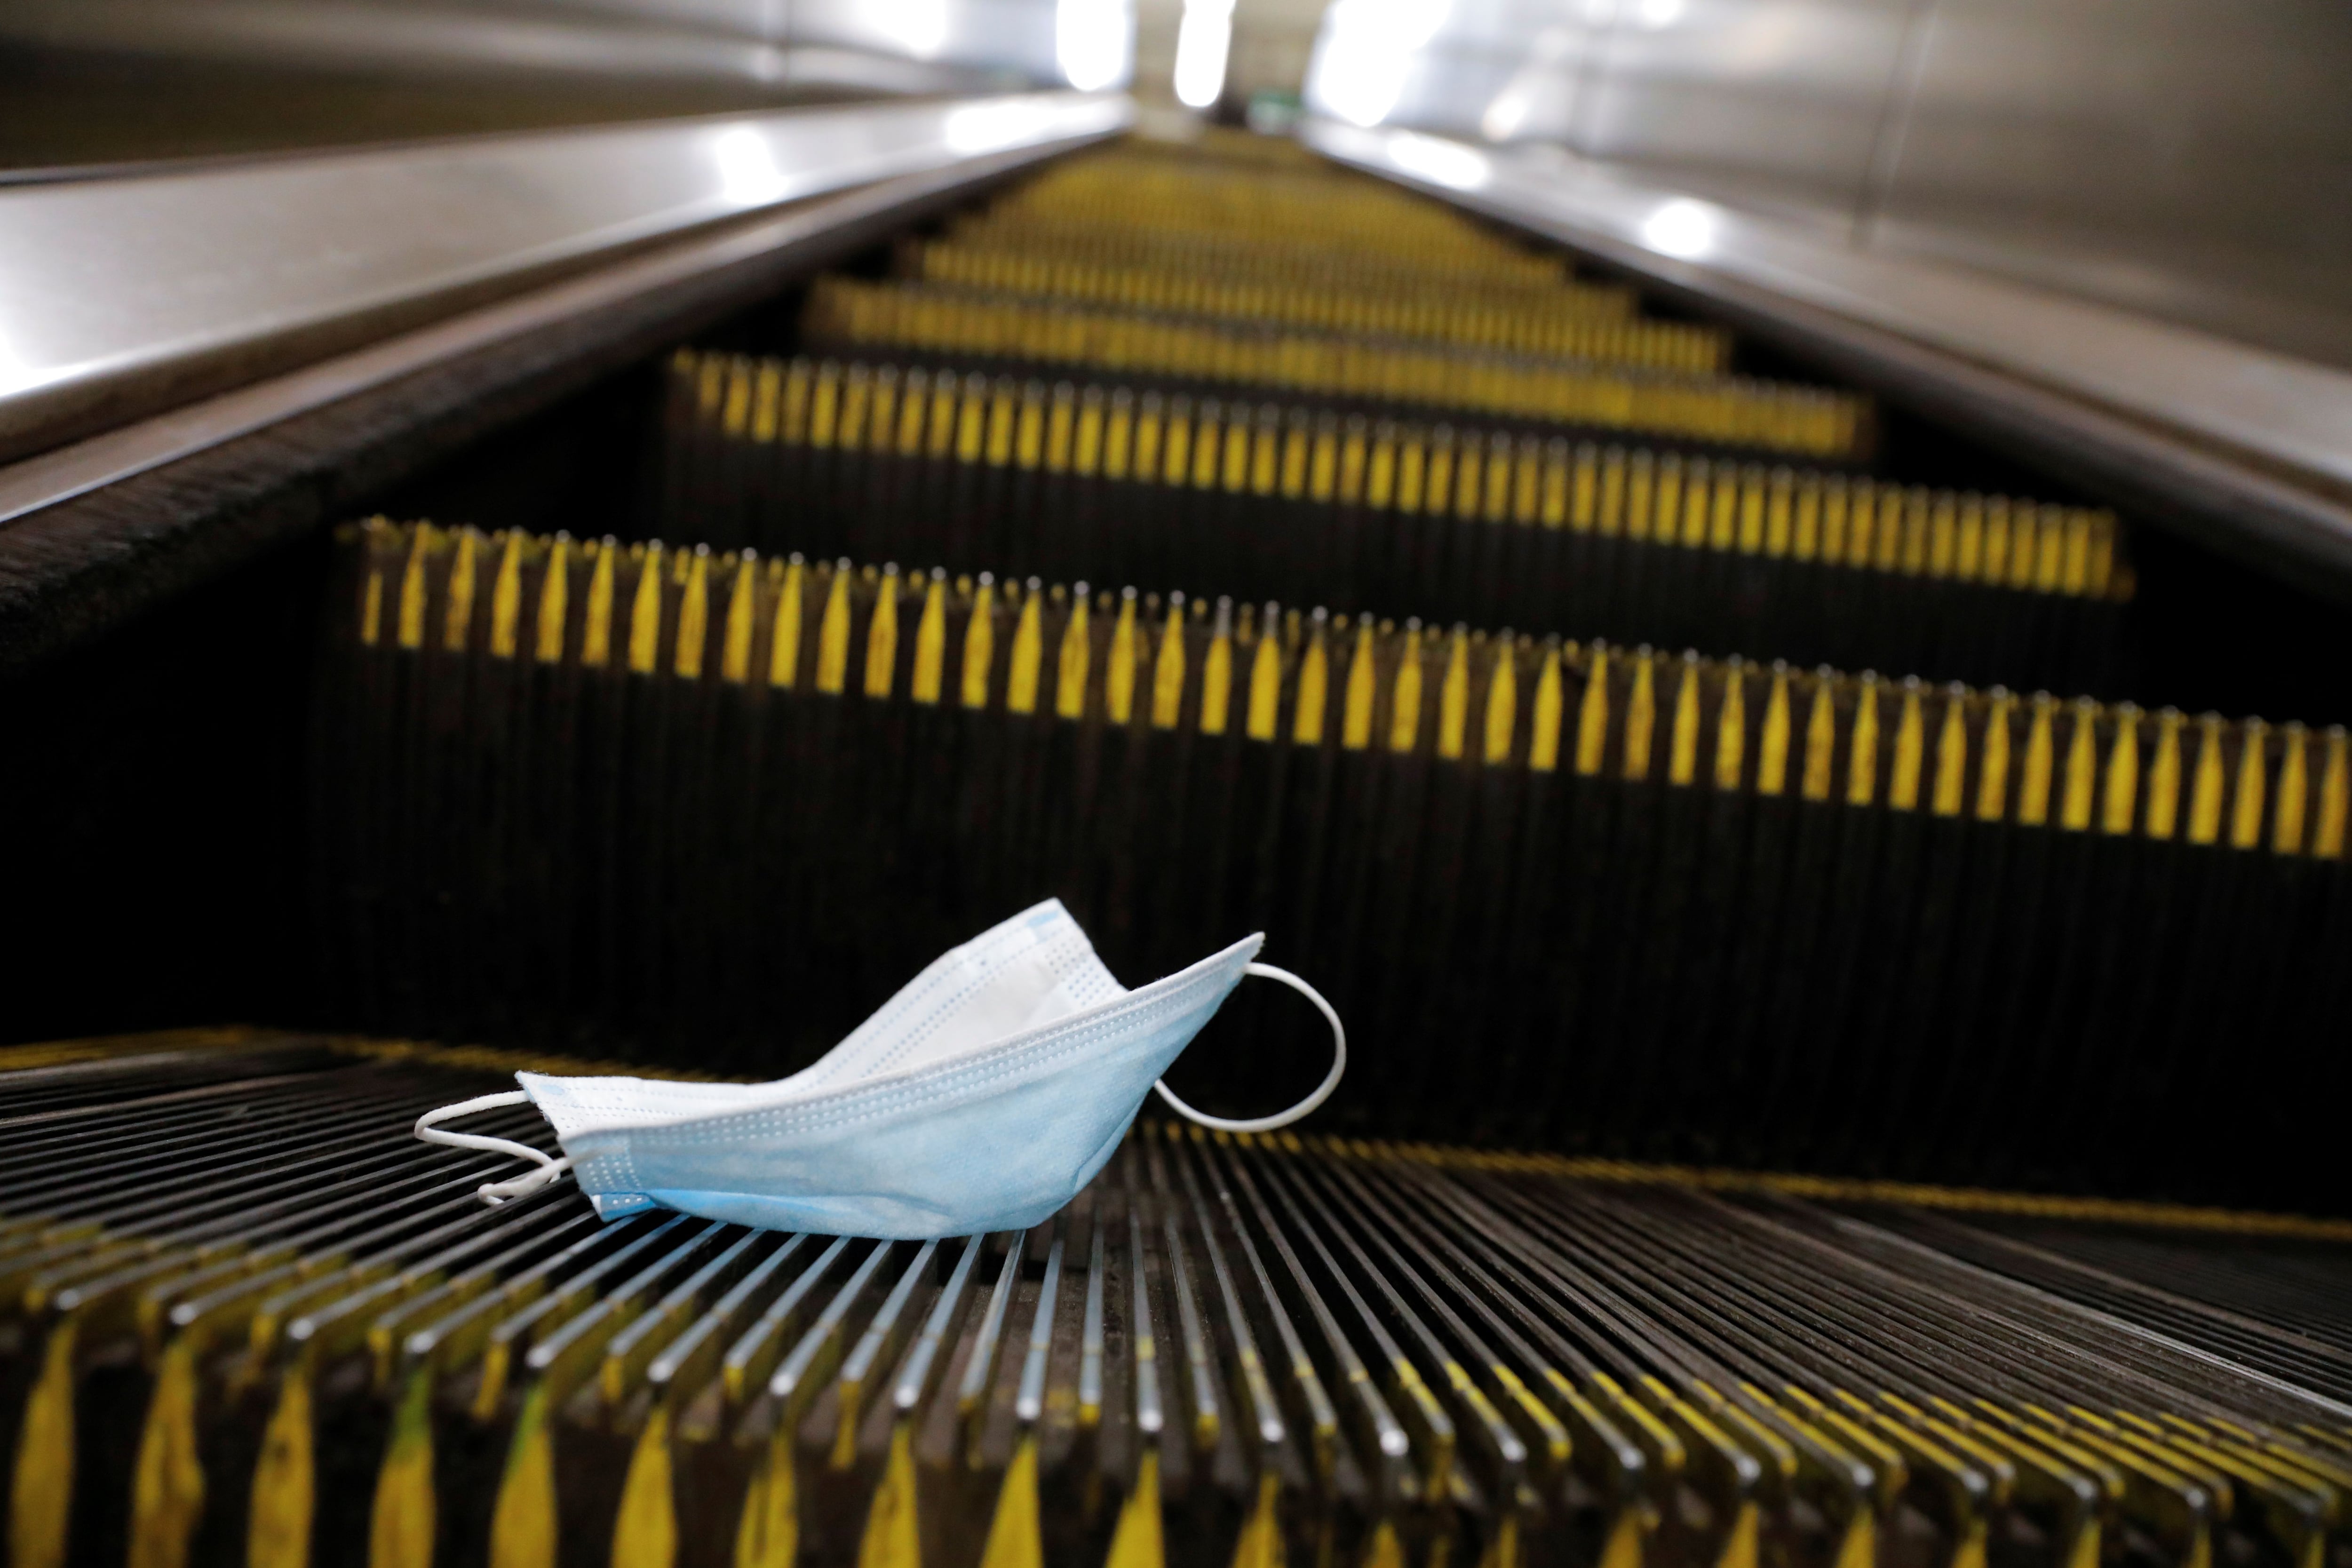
(2184, 158)
(719, 42)
(2252, 447)
(100, 531)
(120, 297)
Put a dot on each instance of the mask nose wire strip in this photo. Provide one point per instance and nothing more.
(1322, 1091)
(549, 1166)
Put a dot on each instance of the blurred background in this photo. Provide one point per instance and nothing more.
(2186, 159)
(95, 82)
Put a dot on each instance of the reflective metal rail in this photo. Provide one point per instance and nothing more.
(245, 369)
(118, 297)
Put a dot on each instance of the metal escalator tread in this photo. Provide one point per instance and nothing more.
(1252, 1349)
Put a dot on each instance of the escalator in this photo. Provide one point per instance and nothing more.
(1837, 975)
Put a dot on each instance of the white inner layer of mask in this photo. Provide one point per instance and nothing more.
(1030, 971)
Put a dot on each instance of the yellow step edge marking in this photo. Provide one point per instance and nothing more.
(1862, 762)
(1821, 743)
(768, 1536)
(40, 1492)
(2206, 789)
(505, 597)
(371, 609)
(1910, 750)
(1217, 675)
(2246, 802)
(1118, 680)
(742, 607)
(457, 626)
(1168, 671)
(413, 587)
(1502, 1549)
(646, 611)
(2120, 802)
(1137, 1543)
(882, 637)
(401, 1521)
(833, 633)
(596, 632)
(1544, 722)
(1453, 697)
(2335, 797)
(694, 618)
(1265, 687)
(167, 1487)
(1071, 662)
(1404, 697)
(2164, 777)
(2294, 784)
(1858, 1548)
(1623, 1547)
(2082, 769)
(1363, 690)
(1014, 1538)
(1739, 1547)
(1503, 705)
(1992, 779)
(644, 1533)
(892, 1539)
(522, 1523)
(1772, 746)
(285, 1482)
(1314, 690)
(930, 644)
(1592, 716)
(1731, 729)
(979, 646)
(1682, 749)
(1260, 1543)
(855, 311)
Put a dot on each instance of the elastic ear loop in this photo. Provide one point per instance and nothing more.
(1322, 1091)
(549, 1166)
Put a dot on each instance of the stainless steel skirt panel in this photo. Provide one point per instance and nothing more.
(119, 297)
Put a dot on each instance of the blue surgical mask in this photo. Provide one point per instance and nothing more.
(981, 1098)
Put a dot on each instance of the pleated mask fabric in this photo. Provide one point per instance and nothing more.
(981, 1098)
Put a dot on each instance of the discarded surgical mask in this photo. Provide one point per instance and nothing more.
(981, 1098)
